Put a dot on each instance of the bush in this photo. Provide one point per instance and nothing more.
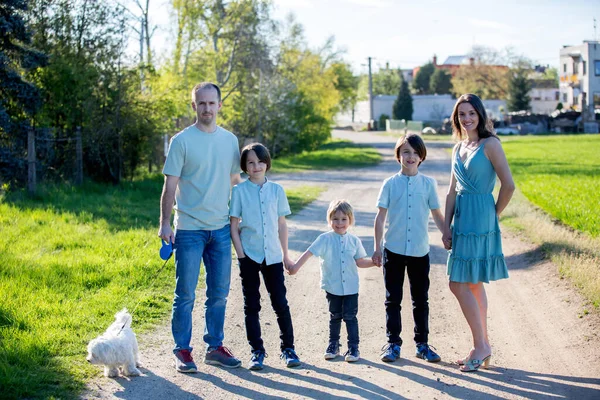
(382, 119)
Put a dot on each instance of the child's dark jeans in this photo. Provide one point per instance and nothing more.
(343, 308)
(274, 282)
(417, 269)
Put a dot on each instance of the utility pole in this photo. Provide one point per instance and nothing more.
(370, 93)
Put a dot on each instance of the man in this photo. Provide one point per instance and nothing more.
(202, 164)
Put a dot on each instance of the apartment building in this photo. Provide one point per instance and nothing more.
(579, 72)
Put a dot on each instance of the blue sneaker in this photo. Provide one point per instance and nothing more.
(352, 355)
(221, 356)
(333, 350)
(391, 352)
(290, 358)
(184, 362)
(424, 351)
(257, 359)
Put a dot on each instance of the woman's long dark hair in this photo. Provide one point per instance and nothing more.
(485, 127)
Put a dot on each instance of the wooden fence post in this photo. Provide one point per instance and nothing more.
(79, 156)
(31, 173)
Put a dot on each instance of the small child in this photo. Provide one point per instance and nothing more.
(408, 196)
(340, 253)
(259, 234)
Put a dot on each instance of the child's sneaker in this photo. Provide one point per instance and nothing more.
(333, 350)
(391, 352)
(424, 351)
(184, 362)
(290, 358)
(221, 356)
(257, 359)
(352, 355)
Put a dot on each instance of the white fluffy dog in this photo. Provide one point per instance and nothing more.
(117, 347)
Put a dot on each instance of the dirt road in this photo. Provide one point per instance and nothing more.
(542, 346)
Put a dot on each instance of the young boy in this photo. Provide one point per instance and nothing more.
(408, 196)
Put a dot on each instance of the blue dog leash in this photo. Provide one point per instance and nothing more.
(166, 251)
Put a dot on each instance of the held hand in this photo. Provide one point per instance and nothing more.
(292, 269)
(287, 262)
(166, 233)
(376, 258)
(447, 239)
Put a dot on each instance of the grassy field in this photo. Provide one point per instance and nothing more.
(332, 155)
(561, 175)
(71, 258)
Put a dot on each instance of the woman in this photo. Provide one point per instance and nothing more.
(474, 238)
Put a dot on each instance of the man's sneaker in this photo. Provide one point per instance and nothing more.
(352, 355)
(257, 359)
(333, 350)
(391, 352)
(221, 356)
(290, 358)
(184, 362)
(424, 351)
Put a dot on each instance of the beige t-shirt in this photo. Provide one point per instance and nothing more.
(203, 162)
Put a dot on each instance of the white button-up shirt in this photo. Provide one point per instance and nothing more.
(408, 200)
(259, 208)
(338, 255)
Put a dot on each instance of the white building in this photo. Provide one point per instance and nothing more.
(579, 72)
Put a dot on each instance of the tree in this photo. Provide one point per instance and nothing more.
(421, 83)
(519, 86)
(440, 82)
(385, 82)
(486, 76)
(346, 84)
(403, 107)
(19, 98)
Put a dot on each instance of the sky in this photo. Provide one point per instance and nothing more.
(407, 34)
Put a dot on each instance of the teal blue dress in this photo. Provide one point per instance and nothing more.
(476, 254)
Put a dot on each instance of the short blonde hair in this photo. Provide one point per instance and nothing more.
(340, 205)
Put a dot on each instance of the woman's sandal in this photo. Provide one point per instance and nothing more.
(474, 365)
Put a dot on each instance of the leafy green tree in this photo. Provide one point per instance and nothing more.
(385, 82)
(519, 86)
(403, 107)
(440, 82)
(487, 75)
(20, 99)
(421, 83)
(346, 84)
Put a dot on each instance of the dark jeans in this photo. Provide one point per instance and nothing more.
(346, 308)
(417, 269)
(274, 282)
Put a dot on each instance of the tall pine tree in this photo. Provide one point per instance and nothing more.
(17, 96)
(519, 86)
(403, 107)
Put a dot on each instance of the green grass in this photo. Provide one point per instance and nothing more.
(335, 154)
(71, 258)
(561, 175)
(302, 196)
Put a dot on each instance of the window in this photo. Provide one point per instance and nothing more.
(575, 68)
(564, 97)
(583, 67)
(597, 67)
(596, 100)
(564, 67)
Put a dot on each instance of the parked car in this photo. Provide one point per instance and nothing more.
(507, 130)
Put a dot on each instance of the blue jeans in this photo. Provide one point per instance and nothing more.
(343, 308)
(191, 247)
